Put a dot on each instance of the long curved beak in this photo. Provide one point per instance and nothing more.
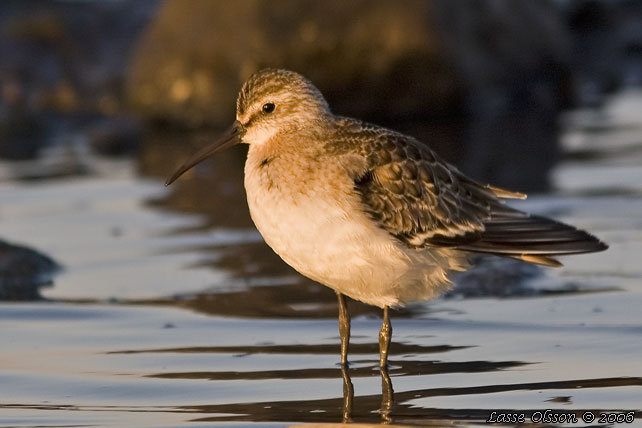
(229, 138)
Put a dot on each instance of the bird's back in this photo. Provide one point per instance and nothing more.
(424, 202)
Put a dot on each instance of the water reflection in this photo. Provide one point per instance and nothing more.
(385, 409)
(348, 395)
(214, 187)
(351, 407)
(387, 395)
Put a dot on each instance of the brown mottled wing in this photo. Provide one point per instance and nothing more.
(423, 201)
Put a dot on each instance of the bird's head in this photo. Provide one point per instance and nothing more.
(271, 102)
(274, 101)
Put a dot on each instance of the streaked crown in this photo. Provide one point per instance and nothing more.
(273, 100)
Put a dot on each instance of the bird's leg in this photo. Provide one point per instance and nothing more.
(344, 328)
(384, 338)
(344, 331)
(348, 394)
(387, 397)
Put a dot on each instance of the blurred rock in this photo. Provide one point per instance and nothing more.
(371, 59)
(416, 66)
(482, 82)
(66, 55)
(21, 133)
(115, 136)
(512, 58)
(606, 46)
(64, 60)
(23, 272)
(66, 158)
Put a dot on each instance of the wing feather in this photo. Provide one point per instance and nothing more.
(425, 202)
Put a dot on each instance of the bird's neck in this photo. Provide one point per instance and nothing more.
(295, 141)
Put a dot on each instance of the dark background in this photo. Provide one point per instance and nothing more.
(483, 82)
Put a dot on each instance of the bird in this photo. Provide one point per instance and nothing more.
(372, 213)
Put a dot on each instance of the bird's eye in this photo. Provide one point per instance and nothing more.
(268, 107)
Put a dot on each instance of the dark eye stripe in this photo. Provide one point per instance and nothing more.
(258, 114)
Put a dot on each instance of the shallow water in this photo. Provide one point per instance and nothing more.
(171, 311)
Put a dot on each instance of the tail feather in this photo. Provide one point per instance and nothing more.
(538, 260)
(533, 239)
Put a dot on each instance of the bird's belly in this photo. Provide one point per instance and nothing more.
(330, 240)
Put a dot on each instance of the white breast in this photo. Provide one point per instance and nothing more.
(313, 220)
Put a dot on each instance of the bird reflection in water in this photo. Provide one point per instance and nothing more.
(387, 395)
